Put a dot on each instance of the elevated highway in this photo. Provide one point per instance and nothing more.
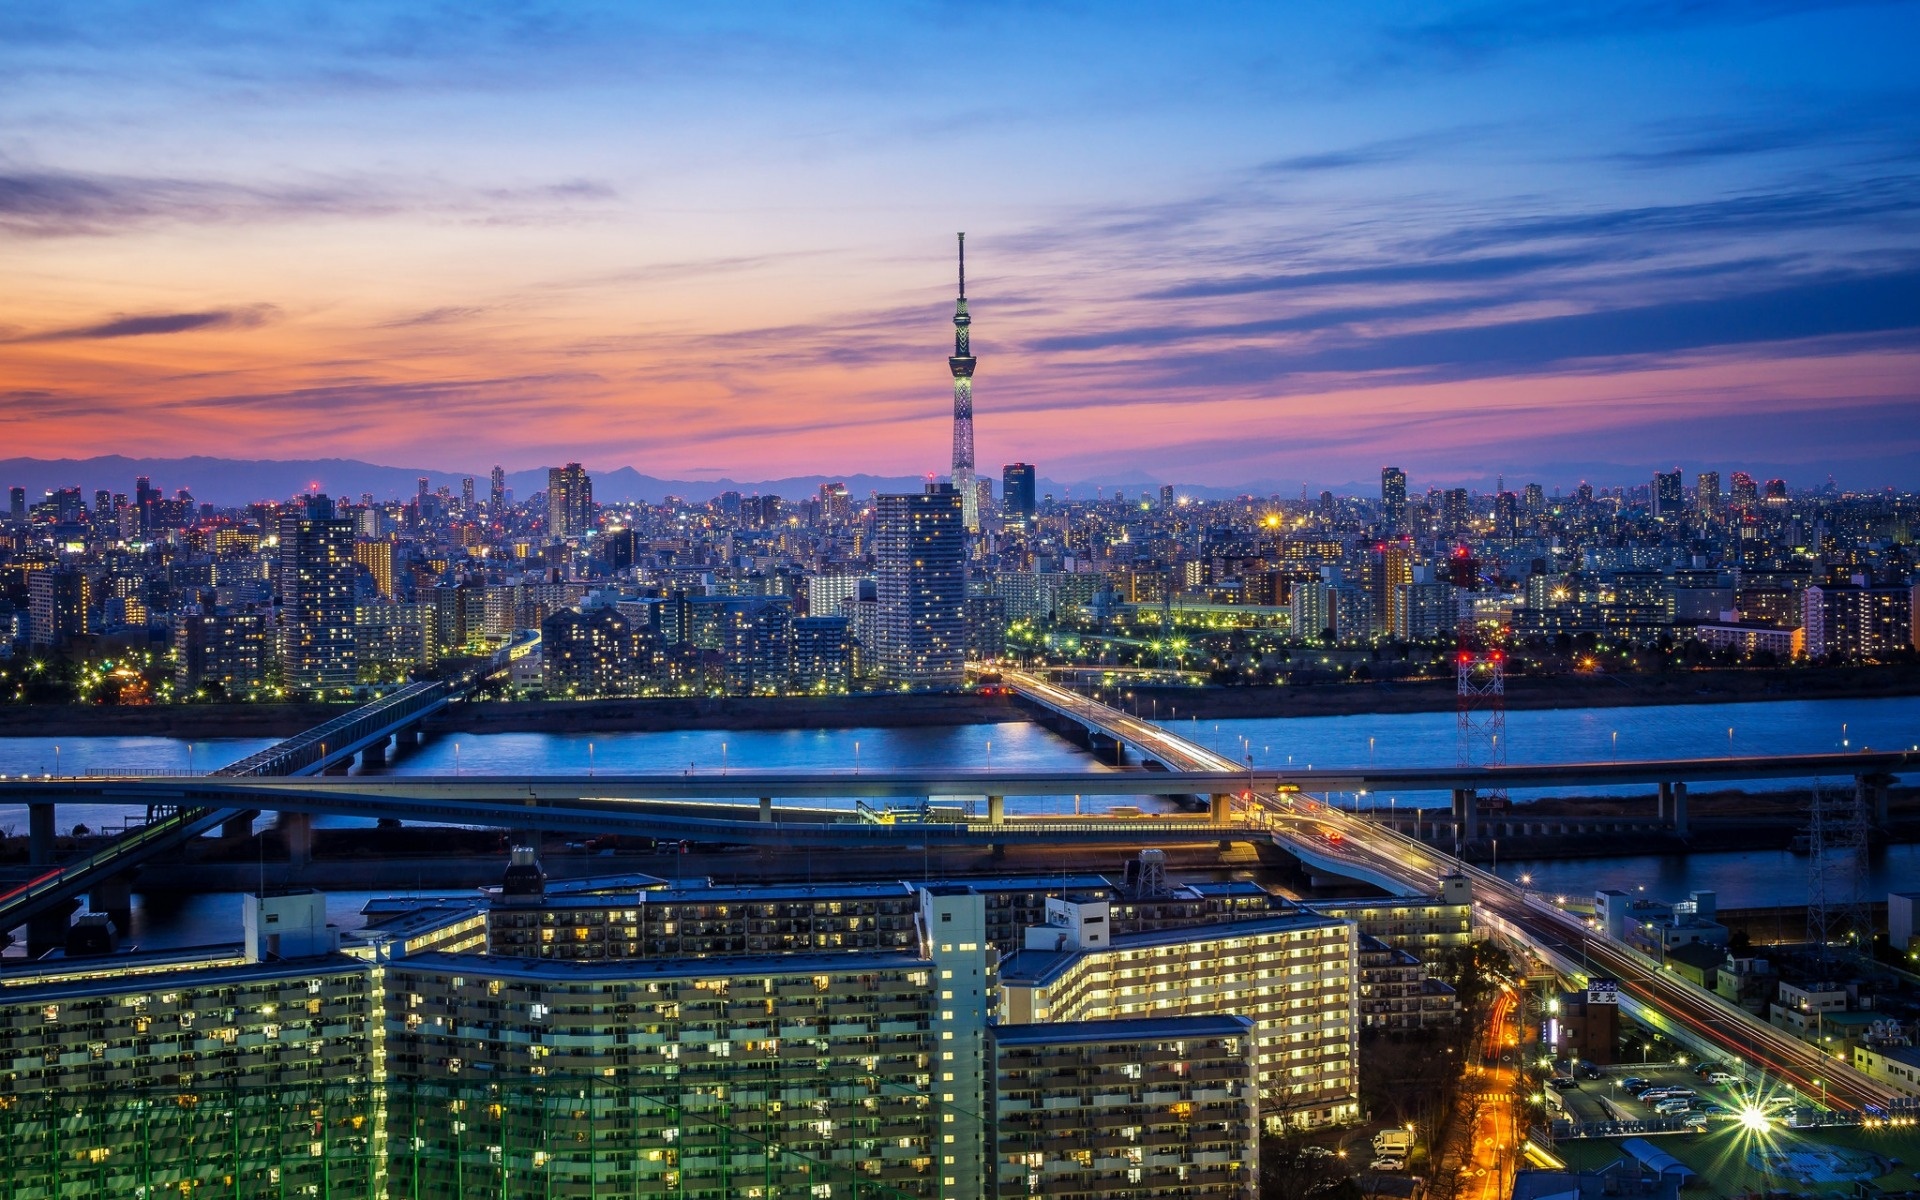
(1694, 1016)
(178, 814)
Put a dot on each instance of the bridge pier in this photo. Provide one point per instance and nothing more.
(1220, 809)
(296, 829)
(115, 898)
(1466, 813)
(766, 810)
(1871, 791)
(40, 834)
(48, 931)
(237, 827)
(374, 755)
(996, 810)
(1665, 803)
(1680, 809)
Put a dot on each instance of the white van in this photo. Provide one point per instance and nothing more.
(1722, 1078)
(1667, 1108)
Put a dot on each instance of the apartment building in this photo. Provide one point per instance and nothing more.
(1293, 975)
(1164, 1107)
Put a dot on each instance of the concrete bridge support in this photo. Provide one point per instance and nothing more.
(115, 898)
(238, 827)
(296, 829)
(1680, 809)
(1466, 813)
(996, 810)
(1872, 793)
(48, 931)
(40, 834)
(1666, 801)
(1220, 808)
(766, 810)
(374, 756)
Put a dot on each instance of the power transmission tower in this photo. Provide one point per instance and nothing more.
(1837, 829)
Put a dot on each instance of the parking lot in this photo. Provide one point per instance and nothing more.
(1604, 1099)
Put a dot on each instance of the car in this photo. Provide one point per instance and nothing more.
(1722, 1078)
(1387, 1163)
(1315, 1152)
(1589, 1071)
(1673, 1107)
(1563, 1083)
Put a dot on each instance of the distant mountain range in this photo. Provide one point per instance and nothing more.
(234, 481)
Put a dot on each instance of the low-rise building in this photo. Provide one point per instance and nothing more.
(1396, 992)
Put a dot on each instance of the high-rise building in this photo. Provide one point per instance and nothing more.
(1745, 493)
(962, 364)
(1706, 496)
(1536, 500)
(1669, 497)
(1393, 497)
(377, 558)
(1853, 621)
(145, 497)
(317, 650)
(1506, 515)
(17, 503)
(230, 649)
(822, 654)
(466, 497)
(1455, 513)
(59, 604)
(921, 549)
(497, 493)
(1016, 490)
(569, 502)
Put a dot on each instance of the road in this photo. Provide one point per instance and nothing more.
(1495, 1138)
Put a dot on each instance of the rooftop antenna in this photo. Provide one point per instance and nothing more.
(963, 265)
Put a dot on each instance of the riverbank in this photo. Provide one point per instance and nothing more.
(889, 710)
(898, 710)
(1533, 692)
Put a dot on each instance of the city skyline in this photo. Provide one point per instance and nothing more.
(405, 241)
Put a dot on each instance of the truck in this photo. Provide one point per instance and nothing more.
(1394, 1143)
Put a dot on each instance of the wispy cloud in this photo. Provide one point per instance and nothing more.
(150, 324)
(55, 203)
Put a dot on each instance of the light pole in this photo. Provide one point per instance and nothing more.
(723, 758)
(56, 762)
(589, 760)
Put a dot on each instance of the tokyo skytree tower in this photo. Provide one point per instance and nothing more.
(962, 364)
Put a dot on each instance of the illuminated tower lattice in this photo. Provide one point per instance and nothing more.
(962, 364)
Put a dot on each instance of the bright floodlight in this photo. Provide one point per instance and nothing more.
(1753, 1119)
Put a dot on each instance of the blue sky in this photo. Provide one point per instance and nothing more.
(1262, 244)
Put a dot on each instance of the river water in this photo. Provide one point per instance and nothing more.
(1406, 739)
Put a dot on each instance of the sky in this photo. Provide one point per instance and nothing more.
(1261, 244)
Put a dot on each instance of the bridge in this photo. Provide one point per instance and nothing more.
(177, 815)
(1690, 1015)
(1241, 803)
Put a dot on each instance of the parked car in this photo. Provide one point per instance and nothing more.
(1722, 1078)
(1563, 1083)
(1388, 1163)
(1589, 1071)
(1668, 1108)
(1315, 1152)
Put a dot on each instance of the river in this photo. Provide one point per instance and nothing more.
(1742, 879)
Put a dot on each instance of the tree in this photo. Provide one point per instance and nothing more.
(1292, 1169)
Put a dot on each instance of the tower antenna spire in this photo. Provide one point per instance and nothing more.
(962, 364)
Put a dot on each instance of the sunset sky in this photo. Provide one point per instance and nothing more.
(1263, 244)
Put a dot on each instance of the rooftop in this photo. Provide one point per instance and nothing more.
(1121, 1030)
